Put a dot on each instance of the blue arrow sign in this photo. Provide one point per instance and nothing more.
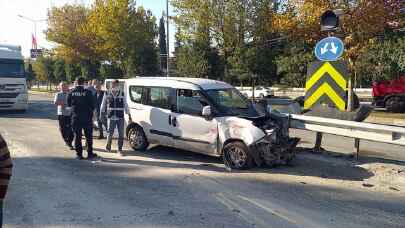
(329, 49)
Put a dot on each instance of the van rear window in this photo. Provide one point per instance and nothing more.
(159, 97)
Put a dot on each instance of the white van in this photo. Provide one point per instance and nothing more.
(205, 116)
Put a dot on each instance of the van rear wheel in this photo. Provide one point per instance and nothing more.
(237, 156)
(137, 138)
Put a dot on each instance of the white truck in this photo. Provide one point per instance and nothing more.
(13, 83)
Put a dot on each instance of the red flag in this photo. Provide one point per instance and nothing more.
(34, 42)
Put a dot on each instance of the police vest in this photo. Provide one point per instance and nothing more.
(116, 105)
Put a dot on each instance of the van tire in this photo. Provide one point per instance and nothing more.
(236, 155)
(141, 143)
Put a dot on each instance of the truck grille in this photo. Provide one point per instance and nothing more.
(8, 95)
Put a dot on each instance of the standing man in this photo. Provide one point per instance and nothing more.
(64, 114)
(82, 103)
(101, 119)
(5, 173)
(115, 105)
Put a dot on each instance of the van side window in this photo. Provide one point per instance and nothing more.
(159, 97)
(190, 102)
(135, 92)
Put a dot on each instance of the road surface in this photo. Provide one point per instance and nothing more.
(170, 188)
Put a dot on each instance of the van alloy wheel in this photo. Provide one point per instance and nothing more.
(137, 138)
(236, 156)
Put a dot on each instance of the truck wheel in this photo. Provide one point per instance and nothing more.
(393, 104)
(236, 155)
(137, 138)
(402, 105)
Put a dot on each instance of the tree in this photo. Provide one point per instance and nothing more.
(382, 61)
(72, 71)
(229, 27)
(29, 72)
(162, 44)
(67, 26)
(110, 71)
(59, 70)
(191, 63)
(292, 64)
(362, 21)
(43, 68)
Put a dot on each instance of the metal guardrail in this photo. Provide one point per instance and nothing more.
(357, 130)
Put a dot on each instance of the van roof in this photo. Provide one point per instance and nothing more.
(179, 82)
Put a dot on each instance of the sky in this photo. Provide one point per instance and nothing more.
(18, 31)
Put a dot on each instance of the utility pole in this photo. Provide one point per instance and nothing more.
(167, 39)
(35, 24)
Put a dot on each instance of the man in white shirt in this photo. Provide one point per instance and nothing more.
(64, 115)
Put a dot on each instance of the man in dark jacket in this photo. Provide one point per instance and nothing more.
(101, 119)
(5, 173)
(81, 102)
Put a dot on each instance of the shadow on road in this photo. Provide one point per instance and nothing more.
(301, 166)
(166, 157)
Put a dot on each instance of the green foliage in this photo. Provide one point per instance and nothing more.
(292, 65)
(114, 31)
(191, 63)
(29, 71)
(110, 71)
(162, 43)
(59, 70)
(43, 68)
(72, 71)
(382, 60)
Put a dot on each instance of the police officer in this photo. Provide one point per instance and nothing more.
(81, 102)
(115, 105)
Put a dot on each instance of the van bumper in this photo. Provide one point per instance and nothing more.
(274, 153)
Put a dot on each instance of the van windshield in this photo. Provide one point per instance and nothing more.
(231, 102)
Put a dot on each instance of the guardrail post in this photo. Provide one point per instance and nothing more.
(318, 143)
(357, 148)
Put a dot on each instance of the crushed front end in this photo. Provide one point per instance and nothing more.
(276, 147)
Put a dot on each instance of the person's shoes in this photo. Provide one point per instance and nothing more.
(120, 154)
(108, 149)
(70, 146)
(92, 156)
(101, 137)
(79, 157)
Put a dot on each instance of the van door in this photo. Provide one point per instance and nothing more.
(191, 131)
(157, 121)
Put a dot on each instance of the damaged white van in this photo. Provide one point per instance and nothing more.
(205, 116)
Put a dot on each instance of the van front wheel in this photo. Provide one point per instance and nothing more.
(236, 155)
(137, 138)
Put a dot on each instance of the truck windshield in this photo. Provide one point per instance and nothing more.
(231, 102)
(11, 68)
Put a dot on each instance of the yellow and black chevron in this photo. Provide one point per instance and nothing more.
(326, 84)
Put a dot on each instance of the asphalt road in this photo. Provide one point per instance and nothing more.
(169, 188)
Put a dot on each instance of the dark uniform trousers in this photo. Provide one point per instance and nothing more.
(86, 127)
(65, 128)
(82, 103)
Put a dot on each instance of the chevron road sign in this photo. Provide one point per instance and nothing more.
(326, 84)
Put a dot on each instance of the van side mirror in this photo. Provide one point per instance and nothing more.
(206, 111)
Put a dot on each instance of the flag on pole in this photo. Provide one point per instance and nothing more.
(34, 42)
